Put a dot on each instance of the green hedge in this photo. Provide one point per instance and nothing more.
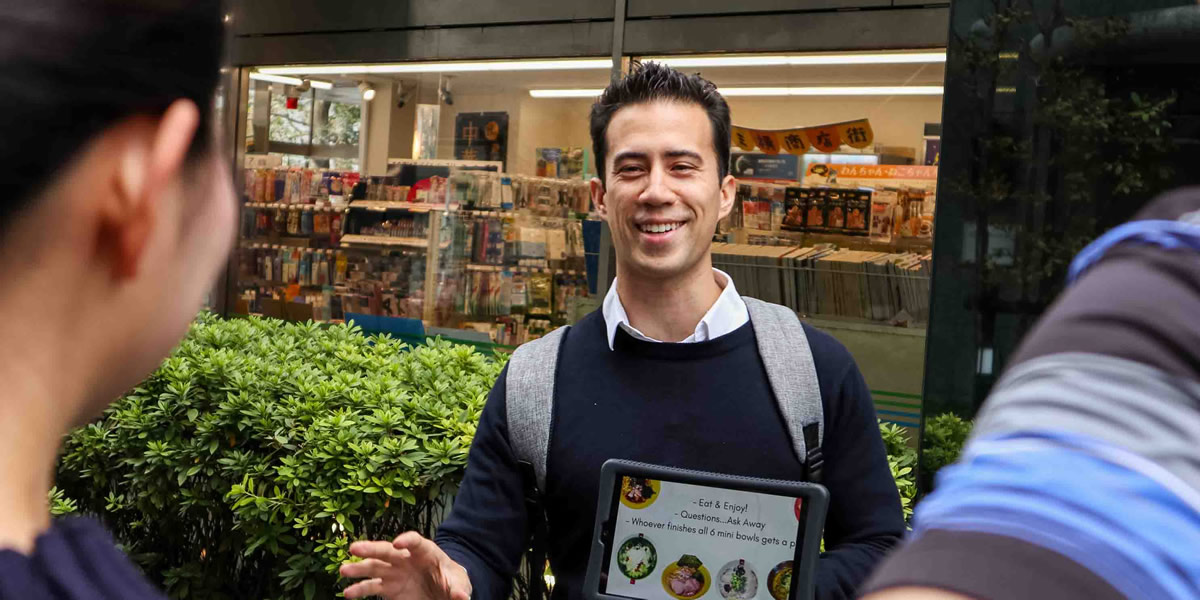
(244, 466)
(945, 436)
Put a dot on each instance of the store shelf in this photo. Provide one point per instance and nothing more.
(306, 207)
(383, 205)
(379, 240)
(519, 269)
(488, 212)
(301, 243)
(258, 282)
(852, 242)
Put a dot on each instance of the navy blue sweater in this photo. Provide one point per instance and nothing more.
(704, 406)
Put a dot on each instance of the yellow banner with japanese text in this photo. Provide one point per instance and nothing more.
(822, 138)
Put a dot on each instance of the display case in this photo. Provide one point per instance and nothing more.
(451, 247)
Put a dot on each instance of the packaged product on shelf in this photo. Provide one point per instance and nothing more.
(320, 224)
(350, 181)
(268, 182)
(541, 294)
(531, 243)
(506, 193)
(575, 238)
(814, 219)
(290, 181)
(519, 300)
(793, 215)
(335, 228)
(279, 178)
(858, 208)
(925, 226)
(883, 207)
(304, 274)
(293, 222)
(464, 188)
(260, 186)
(279, 222)
(908, 215)
(835, 211)
(556, 244)
(374, 188)
(547, 161)
(572, 163)
(778, 196)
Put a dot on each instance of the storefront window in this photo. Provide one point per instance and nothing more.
(469, 215)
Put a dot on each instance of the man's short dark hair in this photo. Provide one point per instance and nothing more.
(652, 81)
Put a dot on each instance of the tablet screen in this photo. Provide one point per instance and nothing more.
(680, 541)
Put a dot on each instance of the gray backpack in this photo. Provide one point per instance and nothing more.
(529, 399)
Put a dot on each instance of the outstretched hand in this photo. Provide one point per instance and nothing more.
(409, 568)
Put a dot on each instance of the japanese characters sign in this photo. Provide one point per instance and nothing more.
(823, 138)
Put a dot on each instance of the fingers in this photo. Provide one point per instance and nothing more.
(368, 569)
(408, 540)
(416, 545)
(379, 550)
(362, 589)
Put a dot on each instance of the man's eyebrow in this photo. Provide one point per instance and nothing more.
(629, 155)
(638, 155)
(684, 154)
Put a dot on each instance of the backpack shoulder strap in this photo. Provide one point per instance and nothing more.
(785, 353)
(529, 400)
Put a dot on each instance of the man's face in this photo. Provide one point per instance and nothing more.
(663, 194)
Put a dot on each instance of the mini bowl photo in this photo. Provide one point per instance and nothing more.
(639, 492)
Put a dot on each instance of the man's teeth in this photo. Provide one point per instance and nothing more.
(660, 227)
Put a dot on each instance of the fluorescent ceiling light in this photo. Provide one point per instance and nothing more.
(588, 93)
(872, 58)
(321, 85)
(908, 90)
(444, 67)
(276, 78)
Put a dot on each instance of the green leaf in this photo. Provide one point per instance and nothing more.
(192, 414)
(310, 589)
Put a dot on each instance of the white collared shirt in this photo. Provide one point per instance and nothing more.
(726, 314)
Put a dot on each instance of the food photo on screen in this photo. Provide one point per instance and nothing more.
(686, 578)
(637, 558)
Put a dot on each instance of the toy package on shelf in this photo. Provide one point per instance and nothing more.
(561, 163)
(298, 186)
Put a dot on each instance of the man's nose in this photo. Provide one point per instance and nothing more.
(658, 190)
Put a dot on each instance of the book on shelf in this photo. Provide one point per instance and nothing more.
(821, 280)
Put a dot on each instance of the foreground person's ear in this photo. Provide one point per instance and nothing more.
(151, 155)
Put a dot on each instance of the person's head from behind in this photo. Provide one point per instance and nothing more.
(117, 211)
(661, 140)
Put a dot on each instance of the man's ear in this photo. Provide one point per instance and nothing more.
(728, 194)
(150, 156)
(598, 197)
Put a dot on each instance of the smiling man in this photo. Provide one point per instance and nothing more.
(668, 372)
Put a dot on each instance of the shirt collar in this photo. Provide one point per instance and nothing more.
(725, 315)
